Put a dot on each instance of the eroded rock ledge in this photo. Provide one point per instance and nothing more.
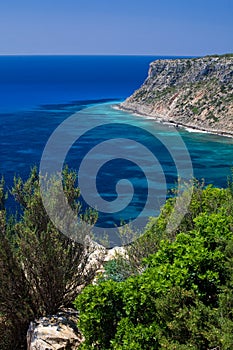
(196, 93)
(58, 332)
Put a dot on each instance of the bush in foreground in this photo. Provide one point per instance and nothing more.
(41, 270)
(183, 298)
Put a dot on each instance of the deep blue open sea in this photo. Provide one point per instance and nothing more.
(38, 93)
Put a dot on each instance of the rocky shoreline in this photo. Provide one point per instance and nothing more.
(136, 110)
(190, 93)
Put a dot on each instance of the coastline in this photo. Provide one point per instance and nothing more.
(162, 119)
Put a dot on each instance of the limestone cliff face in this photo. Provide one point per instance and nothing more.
(194, 92)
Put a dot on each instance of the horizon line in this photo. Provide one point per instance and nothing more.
(68, 54)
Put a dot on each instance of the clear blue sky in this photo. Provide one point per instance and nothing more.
(153, 27)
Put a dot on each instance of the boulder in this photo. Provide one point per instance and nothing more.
(57, 332)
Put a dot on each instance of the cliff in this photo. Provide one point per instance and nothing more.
(195, 92)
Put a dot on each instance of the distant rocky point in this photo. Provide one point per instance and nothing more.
(195, 92)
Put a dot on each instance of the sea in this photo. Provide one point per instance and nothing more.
(39, 95)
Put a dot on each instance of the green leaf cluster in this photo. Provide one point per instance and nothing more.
(183, 297)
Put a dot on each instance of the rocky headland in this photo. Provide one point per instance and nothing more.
(195, 93)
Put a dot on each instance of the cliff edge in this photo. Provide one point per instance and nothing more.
(195, 92)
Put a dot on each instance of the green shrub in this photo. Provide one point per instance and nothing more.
(183, 296)
(113, 271)
(101, 308)
(41, 270)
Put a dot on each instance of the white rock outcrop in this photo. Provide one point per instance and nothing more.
(58, 332)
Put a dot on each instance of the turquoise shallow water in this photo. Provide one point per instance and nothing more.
(177, 154)
(38, 94)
